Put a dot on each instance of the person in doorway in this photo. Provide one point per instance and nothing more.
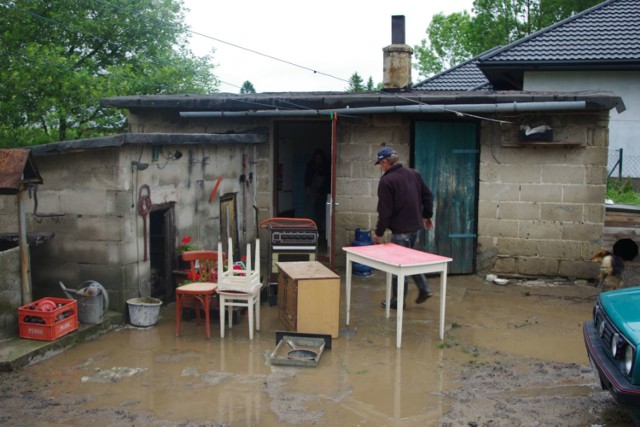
(405, 206)
(317, 184)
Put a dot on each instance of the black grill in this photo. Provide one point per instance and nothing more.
(290, 239)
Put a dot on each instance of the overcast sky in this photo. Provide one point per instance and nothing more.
(333, 37)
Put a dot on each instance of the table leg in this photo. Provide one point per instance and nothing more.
(387, 296)
(348, 287)
(443, 298)
(400, 308)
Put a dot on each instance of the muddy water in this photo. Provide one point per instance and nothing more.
(135, 376)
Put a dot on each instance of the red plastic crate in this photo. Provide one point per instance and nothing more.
(48, 325)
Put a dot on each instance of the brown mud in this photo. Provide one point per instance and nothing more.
(512, 355)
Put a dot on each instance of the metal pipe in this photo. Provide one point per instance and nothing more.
(419, 108)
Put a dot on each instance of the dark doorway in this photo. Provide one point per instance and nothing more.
(162, 251)
(298, 143)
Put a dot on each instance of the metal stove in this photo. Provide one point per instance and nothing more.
(290, 239)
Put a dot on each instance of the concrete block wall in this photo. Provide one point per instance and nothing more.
(357, 177)
(100, 235)
(541, 208)
(10, 292)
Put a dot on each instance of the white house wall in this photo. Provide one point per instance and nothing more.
(624, 127)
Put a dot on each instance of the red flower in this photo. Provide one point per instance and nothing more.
(187, 245)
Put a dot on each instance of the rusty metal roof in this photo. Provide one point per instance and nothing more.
(17, 169)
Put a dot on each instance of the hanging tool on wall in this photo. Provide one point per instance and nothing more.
(144, 207)
(245, 182)
(215, 189)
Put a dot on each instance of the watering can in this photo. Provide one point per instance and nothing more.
(93, 301)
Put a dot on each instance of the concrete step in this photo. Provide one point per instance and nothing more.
(16, 352)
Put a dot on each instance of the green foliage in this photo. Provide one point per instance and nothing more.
(371, 87)
(247, 87)
(448, 44)
(60, 58)
(622, 192)
(454, 38)
(356, 84)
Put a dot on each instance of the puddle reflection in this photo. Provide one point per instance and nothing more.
(362, 380)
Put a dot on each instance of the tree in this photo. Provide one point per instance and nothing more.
(371, 87)
(454, 38)
(247, 87)
(60, 58)
(356, 83)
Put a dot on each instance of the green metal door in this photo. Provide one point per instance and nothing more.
(446, 155)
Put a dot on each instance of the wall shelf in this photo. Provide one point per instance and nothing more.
(555, 144)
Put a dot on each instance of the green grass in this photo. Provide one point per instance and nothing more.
(621, 191)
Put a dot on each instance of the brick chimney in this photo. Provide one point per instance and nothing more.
(396, 73)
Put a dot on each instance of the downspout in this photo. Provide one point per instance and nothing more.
(509, 107)
(334, 157)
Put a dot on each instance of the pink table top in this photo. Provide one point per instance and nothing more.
(393, 254)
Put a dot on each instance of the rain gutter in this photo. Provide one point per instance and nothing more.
(421, 108)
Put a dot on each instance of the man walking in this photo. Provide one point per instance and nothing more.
(405, 206)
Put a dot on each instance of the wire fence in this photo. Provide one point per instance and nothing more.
(622, 165)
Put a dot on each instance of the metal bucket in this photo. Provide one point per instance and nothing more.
(93, 301)
(144, 311)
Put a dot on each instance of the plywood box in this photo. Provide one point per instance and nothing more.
(309, 297)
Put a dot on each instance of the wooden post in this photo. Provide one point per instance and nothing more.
(25, 269)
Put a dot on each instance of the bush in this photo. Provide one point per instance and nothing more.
(621, 191)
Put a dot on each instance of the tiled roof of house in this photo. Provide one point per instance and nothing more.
(606, 36)
(465, 76)
(609, 31)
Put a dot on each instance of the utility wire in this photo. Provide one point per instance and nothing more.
(268, 56)
(457, 113)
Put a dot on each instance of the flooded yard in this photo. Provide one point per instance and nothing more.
(512, 355)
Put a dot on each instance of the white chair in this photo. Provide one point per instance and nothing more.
(239, 288)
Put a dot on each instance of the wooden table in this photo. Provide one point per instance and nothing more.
(401, 261)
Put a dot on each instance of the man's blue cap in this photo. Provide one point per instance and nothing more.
(384, 153)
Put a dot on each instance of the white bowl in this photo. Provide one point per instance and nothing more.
(500, 282)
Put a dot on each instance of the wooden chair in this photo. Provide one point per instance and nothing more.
(240, 288)
(202, 270)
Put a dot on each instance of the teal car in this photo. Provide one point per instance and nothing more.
(612, 338)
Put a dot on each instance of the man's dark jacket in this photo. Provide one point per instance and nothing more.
(404, 200)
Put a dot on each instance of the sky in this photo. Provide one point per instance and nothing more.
(318, 45)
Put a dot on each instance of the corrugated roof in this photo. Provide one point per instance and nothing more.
(17, 168)
(608, 32)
